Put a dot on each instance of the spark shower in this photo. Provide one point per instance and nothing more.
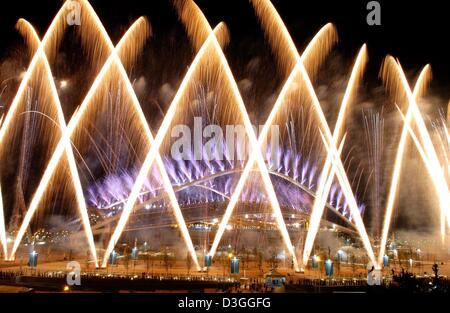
(310, 156)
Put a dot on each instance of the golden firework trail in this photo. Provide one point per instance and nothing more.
(153, 154)
(3, 229)
(115, 58)
(186, 7)
(308, 56)
(419, 88)
(3, 240)
(285, 47)
(328, 172)
(43, 48)
(448, 119)
(166, 181)
(31, 34)
(416, 140)
(427, 163)
(430, 169)
(212, 41)
(209, 43)
(393, 75)
(54, 30)
(197, 30)
(444, 148)
(65, 139)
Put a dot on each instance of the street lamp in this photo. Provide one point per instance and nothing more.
(385, 260)
(135, 253)
(235, 265)
(419, 258)
(33, 259)
(145, 246)
(113, 258)
(314, 261)
(329, 267)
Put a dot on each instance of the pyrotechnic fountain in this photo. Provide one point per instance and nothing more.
(418, 89)
(159, 179)
(2, 229)
(431, 160)
(269, 16)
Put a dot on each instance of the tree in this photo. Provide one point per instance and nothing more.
(147, 261)
(126, 261)
(225, 261)
(188, 263)
(435, 269)
(87, 259)
(246, 258)
(273, 260)
(260, 260)
(353, 261)
(166, 260)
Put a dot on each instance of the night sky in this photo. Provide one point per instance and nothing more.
(413, 33)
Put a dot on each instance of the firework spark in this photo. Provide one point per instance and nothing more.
(394, 75)
(282, 41)
(26, 27)
(2, 229)
(153, 153)
(61, 147)
(324, 182)
(419, 88)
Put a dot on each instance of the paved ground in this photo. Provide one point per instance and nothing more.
(12, 289)
(221, 269)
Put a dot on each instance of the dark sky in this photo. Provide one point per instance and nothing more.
(414, 33)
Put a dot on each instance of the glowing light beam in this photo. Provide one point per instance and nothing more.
(423, 78)
(191, 6)
(65, 139)
(3, 229)
(393, 67)
(282, 40)
(327, 175)
(27, 27)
